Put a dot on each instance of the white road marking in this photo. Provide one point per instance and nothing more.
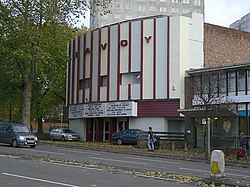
(236, 170)
(9, 156)
(141, 163)
(81, 152)
(55, 153)
(151, 160)
(40, 180)
(74, 166)
(204, 171)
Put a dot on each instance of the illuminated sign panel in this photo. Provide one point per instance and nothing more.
(112, 109)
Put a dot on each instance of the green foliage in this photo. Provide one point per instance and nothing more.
(33, 49)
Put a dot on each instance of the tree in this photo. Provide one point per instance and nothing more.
(34, 34)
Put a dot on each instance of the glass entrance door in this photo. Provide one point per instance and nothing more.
(122, 124)
(106, 130)
(94, 131)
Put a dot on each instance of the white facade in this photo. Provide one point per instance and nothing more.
(133, 70)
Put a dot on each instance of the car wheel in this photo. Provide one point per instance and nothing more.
(33, 146)
(119, 141)
(14, 143)
(52, 138)
(63, 138)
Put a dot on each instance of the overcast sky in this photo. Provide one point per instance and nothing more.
(219, 12)
(225, 12)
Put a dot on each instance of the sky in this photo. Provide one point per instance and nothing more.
(219, 12)
(225, 12)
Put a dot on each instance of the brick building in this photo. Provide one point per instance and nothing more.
(225, 77)
(225, 46)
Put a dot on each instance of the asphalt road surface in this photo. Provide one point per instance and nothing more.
(58, 166)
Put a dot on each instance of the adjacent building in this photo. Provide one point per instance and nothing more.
(221, 90)
(122, 10)
(243, 24)
(131, 75)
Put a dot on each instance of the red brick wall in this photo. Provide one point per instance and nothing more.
(225, 46)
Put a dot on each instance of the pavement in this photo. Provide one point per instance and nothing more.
(195, 155)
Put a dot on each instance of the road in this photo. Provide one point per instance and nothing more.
(54, 165)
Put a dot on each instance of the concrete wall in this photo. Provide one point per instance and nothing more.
(79, 127)
(157, 123)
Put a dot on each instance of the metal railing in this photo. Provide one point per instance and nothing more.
(173, 136)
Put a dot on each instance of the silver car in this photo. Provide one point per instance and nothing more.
(64, 134)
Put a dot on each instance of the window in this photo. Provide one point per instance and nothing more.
(117, 16)
(86, 83)
(185, 1)
(117, 5)
(197, 3)
(125, 79)
(205, 84)
(248, 80)
(104, 81)
(128, 6)
(222, 83)
(198, 10)
(175, 10)
(241, 80)
(175, 1)
(2, 127)
(105, 16)
(131, 78)
(163, 9)
(141, 8)
(231, 82)
(186, 10)
(163, 0)
(128, 17)
(136, 78)
(213, 85)
(197, 85)
(151, 8)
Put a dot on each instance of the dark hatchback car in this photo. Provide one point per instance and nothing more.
(16, 135)
(128, 136)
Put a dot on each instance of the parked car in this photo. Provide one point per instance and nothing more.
(64, 134)
(128, 136)
(17, 135)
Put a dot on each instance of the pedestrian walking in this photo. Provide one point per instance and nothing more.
(244, 144)
(150, 139)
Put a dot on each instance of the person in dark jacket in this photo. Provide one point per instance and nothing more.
(150, 139)
(244, 144)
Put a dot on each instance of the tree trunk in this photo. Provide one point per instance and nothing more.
(27, 95)
(40, 125)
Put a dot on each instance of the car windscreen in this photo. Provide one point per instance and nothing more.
(20, 128)
(68, 131)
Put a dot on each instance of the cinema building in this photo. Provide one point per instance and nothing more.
(131, 75)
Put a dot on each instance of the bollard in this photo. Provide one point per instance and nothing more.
(185, 146)
(217, 164)
(173, 147)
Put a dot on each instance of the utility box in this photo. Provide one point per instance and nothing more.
(217, 164)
